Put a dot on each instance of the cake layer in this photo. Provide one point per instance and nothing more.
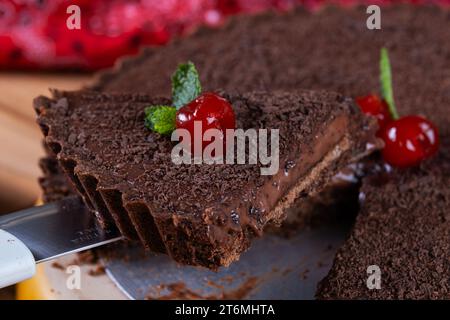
(404, 229)
(199, 214)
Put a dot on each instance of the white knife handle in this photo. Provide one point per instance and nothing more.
(16, 260)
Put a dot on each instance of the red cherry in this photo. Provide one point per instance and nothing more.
(409, 140)
(373, 105)
(212, 110)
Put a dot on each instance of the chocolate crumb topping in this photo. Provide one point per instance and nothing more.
(404, 228)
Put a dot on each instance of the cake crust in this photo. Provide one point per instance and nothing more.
(331, 49)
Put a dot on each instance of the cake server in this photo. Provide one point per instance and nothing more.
(46, 232)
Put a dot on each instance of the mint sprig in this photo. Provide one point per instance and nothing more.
(160, 119)
(185, 85)
(386, 82)
(185, 88)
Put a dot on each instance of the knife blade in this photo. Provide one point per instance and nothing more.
(58, 228)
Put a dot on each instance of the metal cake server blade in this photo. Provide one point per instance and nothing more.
(47, 232)
(58, 228)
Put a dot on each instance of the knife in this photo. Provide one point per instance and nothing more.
(46, 232)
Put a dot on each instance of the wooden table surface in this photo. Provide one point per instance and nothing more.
(20, 137)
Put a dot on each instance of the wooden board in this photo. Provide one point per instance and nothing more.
(20, 137)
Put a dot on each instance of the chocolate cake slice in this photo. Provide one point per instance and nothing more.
(199, 214)
(404, 229)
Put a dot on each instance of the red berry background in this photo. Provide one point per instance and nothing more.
(33, 33)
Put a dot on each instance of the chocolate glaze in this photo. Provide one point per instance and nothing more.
(125, 173)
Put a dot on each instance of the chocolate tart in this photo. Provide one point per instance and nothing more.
(199, 214)
(404, 229)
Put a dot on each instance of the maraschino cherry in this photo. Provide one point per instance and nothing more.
(214, 112)
(408, 140)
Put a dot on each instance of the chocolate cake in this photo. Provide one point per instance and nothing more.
(403, 228)
(200, 214)
(332, 49)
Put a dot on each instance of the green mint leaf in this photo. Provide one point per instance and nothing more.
(160, 119)
(185, 85)
(386, 82)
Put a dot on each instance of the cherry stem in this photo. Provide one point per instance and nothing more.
(386, 83)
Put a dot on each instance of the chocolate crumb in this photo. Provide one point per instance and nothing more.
(58, 265)
(98, 271)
